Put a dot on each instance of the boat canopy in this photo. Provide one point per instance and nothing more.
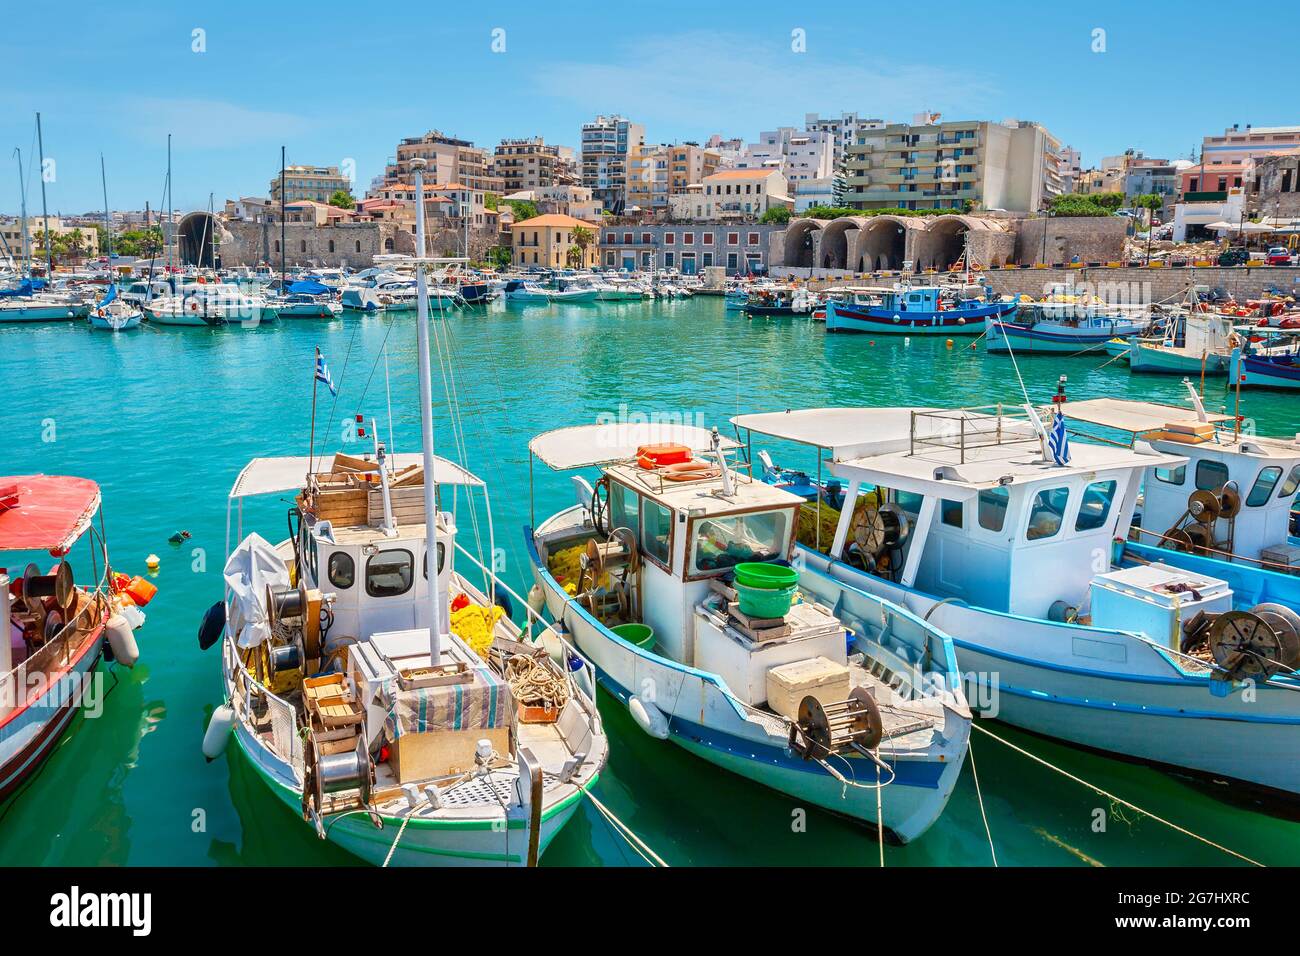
(45, 512)
(845, 432)
(308, 287)
(1131, 416)
(266, 476)
(583, 446)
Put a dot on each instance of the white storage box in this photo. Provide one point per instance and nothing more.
(1155, 600)
(743, 664)
(1287, 555)
(789, 684)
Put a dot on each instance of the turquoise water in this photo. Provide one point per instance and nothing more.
(165, 418)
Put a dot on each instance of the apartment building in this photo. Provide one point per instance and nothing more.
(526, 164)
(931, 164)
(547, 241)
(744, 193)
(1237, 146)
(607, 142)
(688, 248)
(797, 155)
(317, 183)
(449, 159)
(843, 130)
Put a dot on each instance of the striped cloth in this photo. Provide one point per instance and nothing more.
(482, 705)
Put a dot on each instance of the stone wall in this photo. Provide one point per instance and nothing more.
(353, 245)
(1091, 239)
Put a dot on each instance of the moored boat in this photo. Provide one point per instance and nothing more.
(917, 310)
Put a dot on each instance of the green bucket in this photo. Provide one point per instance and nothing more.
(765, 602)
(642, 635)
(757, 574)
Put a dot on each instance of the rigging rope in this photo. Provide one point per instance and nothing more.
(1120, 800)
(637, 843)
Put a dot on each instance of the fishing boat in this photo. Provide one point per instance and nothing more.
(55, 630)
(1266, 358)
(113, 314)
(374, 677)
(917, 310)
(777, 300)
(1045, 329)
(211, 304)
(618, 288)
(1008, 537)
(574, 291)
(1196, 343)
(524, 292)
(841, 700)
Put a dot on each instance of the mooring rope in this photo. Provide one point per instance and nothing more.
(979, 795)
(400, 830)
(1119, 800)
(651, 857)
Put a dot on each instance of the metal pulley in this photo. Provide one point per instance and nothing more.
(1204, 506)
(878, 530)
(824, 729)
(327, 776)
(1245, 645)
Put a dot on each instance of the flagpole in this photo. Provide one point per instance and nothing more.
(311, 447)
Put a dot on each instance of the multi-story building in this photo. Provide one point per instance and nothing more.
(526, 164)
(1237, 146)
(607, 143)
(12, 232)
(647, 178)
(450, 160)
(930, 164)
(744, 193)
(1160, 177)
(689, 248)
(1071, 167)
(317, 183)
(799, 156)
(689, 165)
(843, 130)
(565, 199)
(547, 241)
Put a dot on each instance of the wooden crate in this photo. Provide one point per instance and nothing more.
(442, 753)
(407, 502)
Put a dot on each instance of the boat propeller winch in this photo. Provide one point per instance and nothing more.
(849, 725)
(1247, 645)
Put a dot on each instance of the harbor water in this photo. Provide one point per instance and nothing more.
(164, 418)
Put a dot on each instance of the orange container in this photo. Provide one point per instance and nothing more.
(657, 456)
(141, 591)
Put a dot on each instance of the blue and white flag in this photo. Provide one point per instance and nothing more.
(323, 374)
(1058, 442)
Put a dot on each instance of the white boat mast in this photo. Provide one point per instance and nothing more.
(426, 418)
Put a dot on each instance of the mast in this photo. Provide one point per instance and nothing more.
(45, 215)
(169, 203)
(108, 221)
(426, 418)
(22, 202)
(284, 291)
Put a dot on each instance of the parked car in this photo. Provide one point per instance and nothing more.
(1234, 257)
(1279, 256)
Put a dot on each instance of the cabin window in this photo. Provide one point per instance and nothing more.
(993, 508)
(1047, 513)
(950, 512)
(342, 570)
(1095, 507)
(1172, 476)
(1264, 485)
(1291, 484)
(622, 507)
(442, 559)
(656, 531)
(1210, 475)
(728, 540)
(388, 573)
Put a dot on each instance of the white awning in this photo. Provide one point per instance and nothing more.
(582, 446)
(1130, 416)
(846, 432)
(267, 476)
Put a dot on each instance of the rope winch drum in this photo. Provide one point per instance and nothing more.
(848, 725)
(328, 775)
(1247, 645)
(878, 531)
(1193, 533)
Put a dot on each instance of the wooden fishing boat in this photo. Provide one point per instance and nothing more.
(917, 310)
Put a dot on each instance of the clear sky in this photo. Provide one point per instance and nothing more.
(336, 81)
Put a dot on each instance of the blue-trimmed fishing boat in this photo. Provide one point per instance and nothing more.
(1271, 362)
(1040, 329)
(917, 310)
(842, 699)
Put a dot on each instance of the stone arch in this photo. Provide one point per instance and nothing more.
(883, 244)
(838, 242)
(943, 242)
(801, 241)
(196, 235)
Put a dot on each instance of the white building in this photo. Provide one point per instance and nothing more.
(798, 156)
(842, 129)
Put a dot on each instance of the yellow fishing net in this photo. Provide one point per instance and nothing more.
(565, 566)
(475, 625)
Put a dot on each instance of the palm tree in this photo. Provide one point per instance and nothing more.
(582, 238)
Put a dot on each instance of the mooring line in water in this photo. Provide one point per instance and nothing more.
(649, 855)
(1119, 800)
(397, 839)
(979, 795)
(880, 818)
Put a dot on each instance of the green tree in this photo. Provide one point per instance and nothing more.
(776, 214)
(523, 208)
(342, 199)
(490, 201)
(577, 254)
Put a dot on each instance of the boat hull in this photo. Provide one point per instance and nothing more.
(1261, 372)
(43, 313)
(1160, 361)
(845, 317)
(1006, 337)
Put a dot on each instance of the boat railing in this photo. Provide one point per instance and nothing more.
(257, 708)
(968, 429)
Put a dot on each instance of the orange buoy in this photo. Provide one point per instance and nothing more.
(141, 591)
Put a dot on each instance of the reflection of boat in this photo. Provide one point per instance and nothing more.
(54, 630)
(917, 310)
(987, 526)
(645, 571)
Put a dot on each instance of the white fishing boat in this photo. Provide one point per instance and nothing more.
(841, 700)
(1010, 539)
(1195, 343)
(112, 314)
(304, 305)
(372, 676)
(208, 303)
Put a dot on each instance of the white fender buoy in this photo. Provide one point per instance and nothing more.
(648, 717)
(536, 598)
(218, 732)
(121, 638)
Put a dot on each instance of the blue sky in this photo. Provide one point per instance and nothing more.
(335, 81)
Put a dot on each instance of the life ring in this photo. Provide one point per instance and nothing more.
(192, 305)
(691, 471)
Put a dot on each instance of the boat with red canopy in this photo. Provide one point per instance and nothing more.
(56, 629)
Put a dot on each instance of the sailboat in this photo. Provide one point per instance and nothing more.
(373, 675)
(112, 312)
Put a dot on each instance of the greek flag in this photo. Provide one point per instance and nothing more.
(323, 374)
(1058, 442)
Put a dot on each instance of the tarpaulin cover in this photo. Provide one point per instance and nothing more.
(253, 566)
(45, 512)
(486, 703)
(308, 287)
